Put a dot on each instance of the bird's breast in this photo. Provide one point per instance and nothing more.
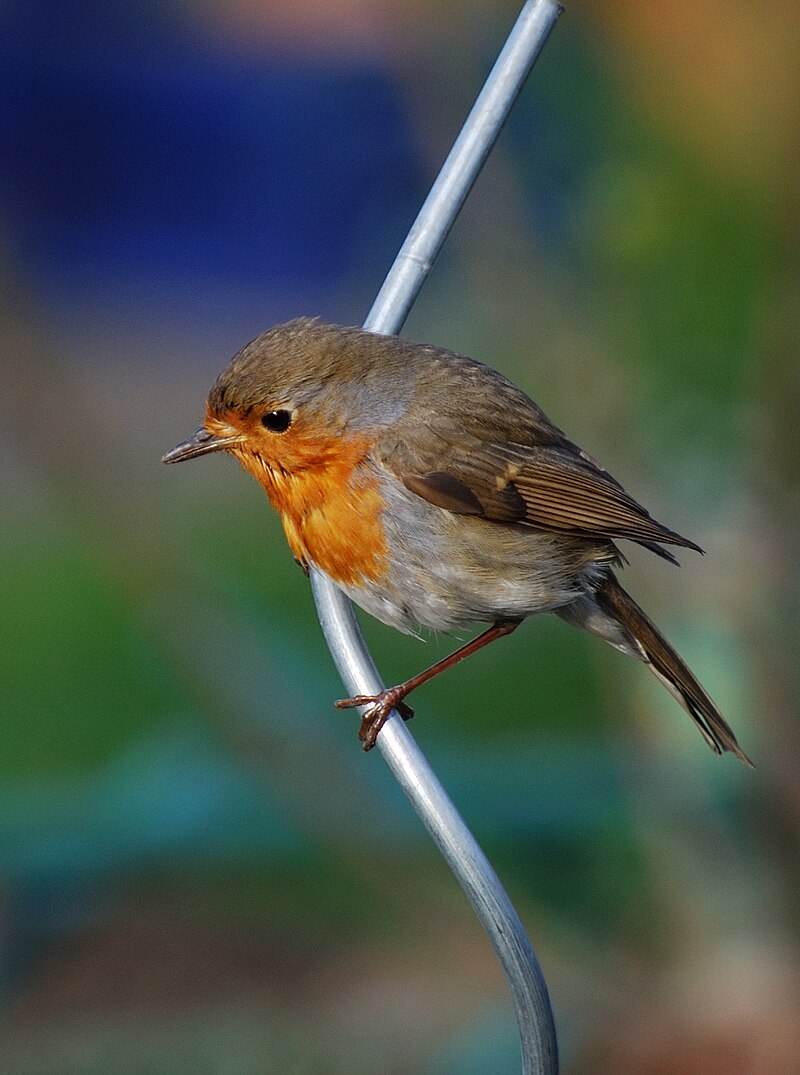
(331, 511)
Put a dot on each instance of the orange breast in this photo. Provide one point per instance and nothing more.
(329, 503)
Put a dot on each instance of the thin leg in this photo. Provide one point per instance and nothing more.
(381, 705)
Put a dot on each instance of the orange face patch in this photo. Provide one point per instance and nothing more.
(329, 504)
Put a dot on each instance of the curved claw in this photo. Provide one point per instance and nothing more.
(379, 708)
(405, 711)
(357, 699)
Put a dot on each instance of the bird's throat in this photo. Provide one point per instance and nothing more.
(331, 510)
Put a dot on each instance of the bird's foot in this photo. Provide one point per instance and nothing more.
(379, 708)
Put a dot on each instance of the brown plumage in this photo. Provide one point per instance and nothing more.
(435, 493)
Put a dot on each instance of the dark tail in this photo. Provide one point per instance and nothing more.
(662, 659)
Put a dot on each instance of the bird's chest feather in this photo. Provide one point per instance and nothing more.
(331, 506)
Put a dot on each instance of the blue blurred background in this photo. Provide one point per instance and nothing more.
(200, 870)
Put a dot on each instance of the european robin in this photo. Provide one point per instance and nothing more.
(434, 493)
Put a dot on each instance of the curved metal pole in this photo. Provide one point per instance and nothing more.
(356, 667)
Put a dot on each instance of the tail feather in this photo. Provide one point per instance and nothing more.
(661, 658)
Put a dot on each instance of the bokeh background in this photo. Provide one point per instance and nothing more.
(200, 870)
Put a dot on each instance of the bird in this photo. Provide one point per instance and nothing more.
(436, 494)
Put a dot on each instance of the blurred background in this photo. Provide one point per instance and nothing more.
(201, 872)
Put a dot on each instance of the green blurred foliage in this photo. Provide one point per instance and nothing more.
(81, 677)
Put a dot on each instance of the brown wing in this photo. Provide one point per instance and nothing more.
(553, 488)
(472, 443)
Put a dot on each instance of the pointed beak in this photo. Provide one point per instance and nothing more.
(200, 443)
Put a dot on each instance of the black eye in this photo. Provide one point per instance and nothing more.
(277, 421)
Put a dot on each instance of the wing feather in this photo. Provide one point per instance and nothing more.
(475, 444)
(547, 488)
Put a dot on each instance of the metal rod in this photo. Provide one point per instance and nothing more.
(463, 164)
(356, 667)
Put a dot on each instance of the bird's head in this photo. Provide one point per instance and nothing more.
(296, 394)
